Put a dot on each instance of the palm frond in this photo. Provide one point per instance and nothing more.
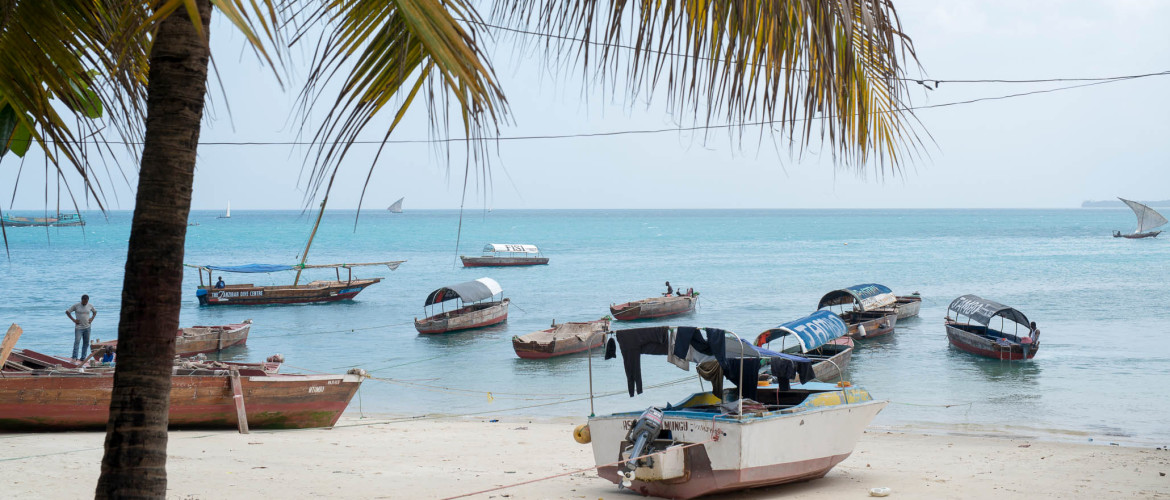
(404, 50)
(831, 68)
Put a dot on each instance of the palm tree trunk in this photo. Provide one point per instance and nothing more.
(134, 465)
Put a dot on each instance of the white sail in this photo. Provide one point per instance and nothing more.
(397, 206)
(228, 214)
(1147, 218)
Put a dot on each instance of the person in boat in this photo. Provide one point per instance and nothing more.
(669, 290)
(220, 283)
(85, 314)
(1116, 234)
(1035, 332)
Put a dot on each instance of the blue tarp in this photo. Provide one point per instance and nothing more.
(252, 268)
(811, 331)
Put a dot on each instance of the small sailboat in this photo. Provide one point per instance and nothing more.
(396, 208)
(1147, 219)
(228, 213)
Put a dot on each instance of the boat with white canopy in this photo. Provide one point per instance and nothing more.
(478, 307)
(1147, 220)
(506, 254)
(873, 313)
(820, 337)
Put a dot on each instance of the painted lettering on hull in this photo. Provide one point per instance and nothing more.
(243, 293)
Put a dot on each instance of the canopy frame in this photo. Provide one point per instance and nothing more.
(469, 292)
(982, 311)
(494, 249)
(811, 332)
(864, 297)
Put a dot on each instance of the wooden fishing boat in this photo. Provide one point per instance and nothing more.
(908, 305)
(872, 314)
(1147, 219)
(820, 337)
(478, 307)
(61, 220)
(396, 207)
(296, 293)
(500, 255)
(200, 339)
(62, 400)
(707, 444)
(976, 335)
(655, 307)
(561, 339)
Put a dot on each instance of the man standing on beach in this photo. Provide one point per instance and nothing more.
(85, 314)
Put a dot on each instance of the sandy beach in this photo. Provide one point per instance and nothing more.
(362, 458)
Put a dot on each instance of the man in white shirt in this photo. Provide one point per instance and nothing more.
(85, 314)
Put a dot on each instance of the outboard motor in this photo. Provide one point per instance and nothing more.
(641, 434)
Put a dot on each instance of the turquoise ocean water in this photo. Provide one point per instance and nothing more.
(1101, 304)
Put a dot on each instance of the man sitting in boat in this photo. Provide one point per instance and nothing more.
(220, 283)
(669, 290)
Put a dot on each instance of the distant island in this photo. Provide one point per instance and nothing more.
(1119, 204)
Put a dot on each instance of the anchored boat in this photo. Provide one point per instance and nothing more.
(1147, 219)
(499, 255)
(210, 294)
(655, 307)
(200, 339)
(820, 337)
(709, 444)
(478, 307)
(561, 339)
(872, 314)
(976, 335)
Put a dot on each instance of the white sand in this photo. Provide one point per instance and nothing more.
(435, 459)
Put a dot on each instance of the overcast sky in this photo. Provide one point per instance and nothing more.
(1049, 150)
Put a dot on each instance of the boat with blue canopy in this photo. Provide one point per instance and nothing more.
(870, 310)
(755, 434)
(477, 307)
(215, 293)
(819, 337)
(977, 334)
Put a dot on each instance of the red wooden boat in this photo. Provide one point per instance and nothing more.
(562, 339)
(476, 310)
(202, 396)
(977, 336)
(655, 307)
(502, 255)
(200, 339)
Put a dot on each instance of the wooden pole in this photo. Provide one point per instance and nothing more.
(9, 342)
(305, 254)
(238, 395)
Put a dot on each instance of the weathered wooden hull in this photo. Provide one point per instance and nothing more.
(250, 295)
(465, 318)
(528, 347)
(1138, 236)
(201, 339)
(980, 345)
(654, 307)
(838, 353)
(908, 306)
(31, 402)
(869, 324)
(502, 261)
(749, 453)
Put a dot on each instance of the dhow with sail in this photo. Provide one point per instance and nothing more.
(396, 208)
(1147, 219)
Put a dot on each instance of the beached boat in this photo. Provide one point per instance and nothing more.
(202, 396)
(296, 293)
(655, 307)
(200, 339)
(61, 220)
(396, 207)
(1147, 219)
(478, 307)
(872, 314)
(709, 444)
(498, 255)
(561, 339)
(820, 337)
(976, 335)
